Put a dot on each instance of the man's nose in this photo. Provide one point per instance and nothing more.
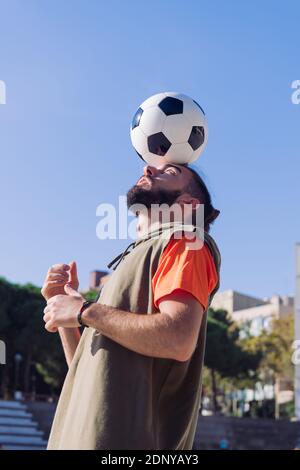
(150, 170)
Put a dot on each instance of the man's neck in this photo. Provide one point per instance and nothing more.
(146, 223)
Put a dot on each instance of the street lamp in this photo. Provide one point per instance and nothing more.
(18, 359)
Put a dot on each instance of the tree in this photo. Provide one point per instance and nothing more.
(275, 348)
(224, 354)
(22, 328)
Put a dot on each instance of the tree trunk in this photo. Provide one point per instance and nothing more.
(27, 372)
(214, 390)
(4, 382)
(276, 388)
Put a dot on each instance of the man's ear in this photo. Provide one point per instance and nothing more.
(194, 201)
(187, 199)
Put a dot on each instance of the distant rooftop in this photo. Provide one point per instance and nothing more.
(233, 301)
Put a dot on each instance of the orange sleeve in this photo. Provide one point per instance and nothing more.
(181, 268)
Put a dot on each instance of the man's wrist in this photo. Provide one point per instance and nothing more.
(84, 307)
(89, 314)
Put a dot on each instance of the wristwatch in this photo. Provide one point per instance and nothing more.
(85, 305)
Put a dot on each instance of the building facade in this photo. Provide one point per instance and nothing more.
(253, 314)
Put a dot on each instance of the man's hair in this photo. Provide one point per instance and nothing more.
(197, 188)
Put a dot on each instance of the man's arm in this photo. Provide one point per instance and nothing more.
(172, 333)
(57, 277)
(70, 338)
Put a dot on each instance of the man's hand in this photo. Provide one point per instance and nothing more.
(62, 310)
(57, 277)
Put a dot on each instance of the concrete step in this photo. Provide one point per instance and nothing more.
(20, 430)
(8, 420)
(22, 447)
(6, 439)
(16, 413)
(246, 433)
(16, 405)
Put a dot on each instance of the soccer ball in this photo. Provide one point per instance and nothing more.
(169, 128)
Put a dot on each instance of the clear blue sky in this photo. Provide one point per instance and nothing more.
(75, 73)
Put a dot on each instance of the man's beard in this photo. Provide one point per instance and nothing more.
(139, 195)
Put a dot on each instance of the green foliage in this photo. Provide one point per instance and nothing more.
(22, 328)
(91, 295)
(227, 364)
(235, 364)
(224, 353)
(287, 410)
(275, 347)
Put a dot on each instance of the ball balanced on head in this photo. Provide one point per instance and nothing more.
(169, 127)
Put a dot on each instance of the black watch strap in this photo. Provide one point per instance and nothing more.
(85, 305)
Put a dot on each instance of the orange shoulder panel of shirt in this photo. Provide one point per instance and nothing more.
(191, 270)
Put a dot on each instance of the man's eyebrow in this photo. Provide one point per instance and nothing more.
(171, 166)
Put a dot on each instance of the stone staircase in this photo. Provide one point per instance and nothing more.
(219, 432)
(18, 430)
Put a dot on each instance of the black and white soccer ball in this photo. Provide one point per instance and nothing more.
(169, 128)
